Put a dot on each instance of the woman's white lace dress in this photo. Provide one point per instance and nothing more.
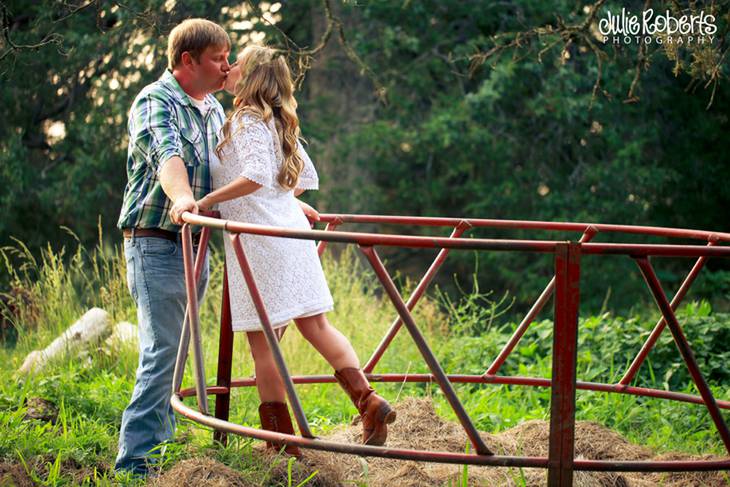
(287, 271)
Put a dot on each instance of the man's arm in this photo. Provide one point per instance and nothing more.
(157, 134)
(175, 184)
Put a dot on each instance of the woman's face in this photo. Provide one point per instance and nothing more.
(233, 76)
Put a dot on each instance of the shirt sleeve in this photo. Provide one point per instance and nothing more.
(156, 131)
(308, 178)
(251, 151)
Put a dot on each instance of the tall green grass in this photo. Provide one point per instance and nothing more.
(51, 290)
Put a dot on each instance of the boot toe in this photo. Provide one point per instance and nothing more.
(377, 437)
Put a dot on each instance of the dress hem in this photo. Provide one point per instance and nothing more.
(278, 322)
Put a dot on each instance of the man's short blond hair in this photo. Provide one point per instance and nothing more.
(194, 36)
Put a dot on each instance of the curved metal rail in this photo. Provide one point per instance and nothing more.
(560, 461)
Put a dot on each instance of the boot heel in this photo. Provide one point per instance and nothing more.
(386, 414)
(375, 411)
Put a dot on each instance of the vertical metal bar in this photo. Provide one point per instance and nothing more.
(684, 348)
(323, 243)
(225, 360)
(413, 299)
(184, 344)
(565, 348)
(271, 337)
(426, 352)
(194, 319)
(661, 324)
(587, 236)
(182, 353)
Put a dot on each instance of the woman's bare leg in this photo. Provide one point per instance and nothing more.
(375, 411)
(328, 341)
(268, 381)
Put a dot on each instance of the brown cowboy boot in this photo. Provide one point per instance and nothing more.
(275, 417)
(375, 412)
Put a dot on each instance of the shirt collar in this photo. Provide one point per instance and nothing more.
(179, 94)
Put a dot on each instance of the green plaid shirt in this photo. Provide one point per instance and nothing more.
(163, 122)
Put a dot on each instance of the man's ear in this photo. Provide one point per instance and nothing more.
(187, 59)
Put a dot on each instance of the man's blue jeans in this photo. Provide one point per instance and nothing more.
(156, 280)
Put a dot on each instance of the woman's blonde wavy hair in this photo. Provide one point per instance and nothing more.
(265, 90)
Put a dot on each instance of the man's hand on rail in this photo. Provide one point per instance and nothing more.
(182, 204)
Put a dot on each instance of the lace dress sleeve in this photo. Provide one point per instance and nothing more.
(251, 151)
(308, 178)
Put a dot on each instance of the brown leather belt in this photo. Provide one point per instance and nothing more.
(156, 233)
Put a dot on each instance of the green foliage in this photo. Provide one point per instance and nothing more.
(63, 136)
(52, 290)
(524, 135)
(465, 333)
(520, 137)
(606, 346)
(69, 180)
(92, 390)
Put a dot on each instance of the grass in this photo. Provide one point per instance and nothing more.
(52, 290)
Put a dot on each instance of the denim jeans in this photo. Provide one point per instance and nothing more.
(156, 280)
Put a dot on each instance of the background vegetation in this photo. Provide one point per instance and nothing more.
(460, 108)
(90, 391)
(509, 109)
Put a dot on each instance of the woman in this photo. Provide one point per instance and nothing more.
(263, 167)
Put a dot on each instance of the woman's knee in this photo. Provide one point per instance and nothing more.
(312, 326)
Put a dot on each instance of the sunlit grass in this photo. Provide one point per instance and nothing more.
(91, 391)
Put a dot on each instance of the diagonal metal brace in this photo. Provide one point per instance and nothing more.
(443, 381)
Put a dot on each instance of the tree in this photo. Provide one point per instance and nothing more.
(464, 108)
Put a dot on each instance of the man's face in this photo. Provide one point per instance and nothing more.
(212, 68)
(233, 76)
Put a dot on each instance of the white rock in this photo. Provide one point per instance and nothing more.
(124, 331)
(91, 328)
(30, 361)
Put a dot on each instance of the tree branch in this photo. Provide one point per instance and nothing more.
(5, 15)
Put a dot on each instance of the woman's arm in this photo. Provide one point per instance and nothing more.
(311, 213)
(240, 187)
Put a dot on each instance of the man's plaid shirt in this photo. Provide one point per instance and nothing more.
(163, 122)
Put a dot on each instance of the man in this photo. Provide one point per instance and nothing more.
(173, 127)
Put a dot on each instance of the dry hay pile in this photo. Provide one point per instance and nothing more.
(206, 472)
(419, 427)
(200, 472)
(14, 474)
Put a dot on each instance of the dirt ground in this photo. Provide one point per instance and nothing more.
(13, 474)
(419, 427)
